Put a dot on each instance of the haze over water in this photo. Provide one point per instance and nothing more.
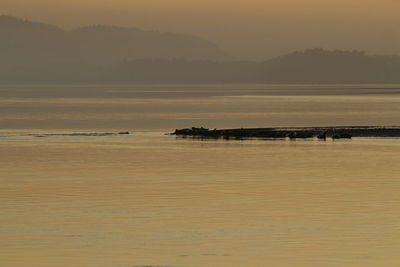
(166, 107)
(147, 199)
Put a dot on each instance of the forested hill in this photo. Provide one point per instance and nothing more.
(24, 43)
(39, 53)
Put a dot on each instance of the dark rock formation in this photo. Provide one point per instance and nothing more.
(342, 136)
(292, 133)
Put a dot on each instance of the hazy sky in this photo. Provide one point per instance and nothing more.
(255, 29)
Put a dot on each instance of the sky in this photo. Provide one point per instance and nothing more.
(247, 29)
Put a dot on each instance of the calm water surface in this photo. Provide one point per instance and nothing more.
(152, 200)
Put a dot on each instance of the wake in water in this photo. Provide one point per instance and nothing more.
(64, 134)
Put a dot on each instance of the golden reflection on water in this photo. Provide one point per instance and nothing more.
(157, 200)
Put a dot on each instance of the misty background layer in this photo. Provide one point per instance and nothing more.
(36, 52)
(248, 30)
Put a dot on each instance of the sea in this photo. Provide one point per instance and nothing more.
(76, 193)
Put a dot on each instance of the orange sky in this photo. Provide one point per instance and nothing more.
(246, 29)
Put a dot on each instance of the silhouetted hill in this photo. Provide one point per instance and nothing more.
(309, 66)
(24, 43)
(324, 66)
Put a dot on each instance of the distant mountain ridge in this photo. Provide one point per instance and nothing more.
(33, 52)
(332, 66)
(309, 66)
(23, 43)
